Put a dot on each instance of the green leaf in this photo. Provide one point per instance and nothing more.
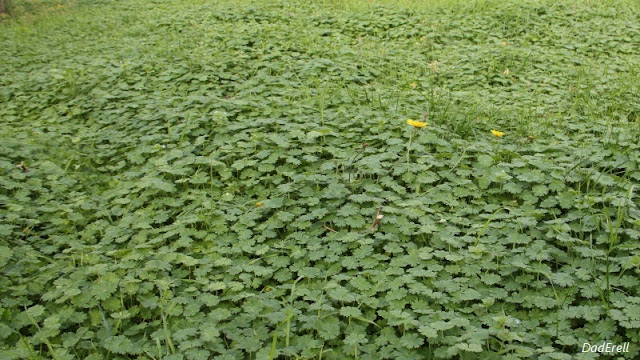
(350, 311)
(118, 344)
(428, 331)
(411, 341)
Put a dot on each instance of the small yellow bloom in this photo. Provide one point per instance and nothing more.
(497, 133)
(504, 43)
(416, 124)
(259, 204)
(267, 289)
(413, 85)
(59, 6)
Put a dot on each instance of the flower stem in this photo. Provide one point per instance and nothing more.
(409, 146)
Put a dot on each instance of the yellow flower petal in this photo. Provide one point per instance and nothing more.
(416, 124)
(497, 133)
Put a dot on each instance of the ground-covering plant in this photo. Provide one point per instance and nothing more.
(218, 180)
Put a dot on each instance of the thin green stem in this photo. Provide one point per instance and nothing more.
(409, 146)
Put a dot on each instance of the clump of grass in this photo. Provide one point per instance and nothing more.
(222, 180)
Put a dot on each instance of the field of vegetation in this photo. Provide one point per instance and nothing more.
(212, 179)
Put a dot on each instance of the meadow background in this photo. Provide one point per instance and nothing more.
(199, 179)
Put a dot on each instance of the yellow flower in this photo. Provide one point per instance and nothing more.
(413, 85)
(416, 124)
(259, 204)
(497, 133)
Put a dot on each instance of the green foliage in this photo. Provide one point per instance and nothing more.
(187, 180)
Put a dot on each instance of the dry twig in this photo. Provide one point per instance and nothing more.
(376, 221)
(328, 228)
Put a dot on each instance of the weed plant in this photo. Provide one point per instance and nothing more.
(237, 180)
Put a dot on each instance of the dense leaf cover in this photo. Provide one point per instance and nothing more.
(195, 180)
